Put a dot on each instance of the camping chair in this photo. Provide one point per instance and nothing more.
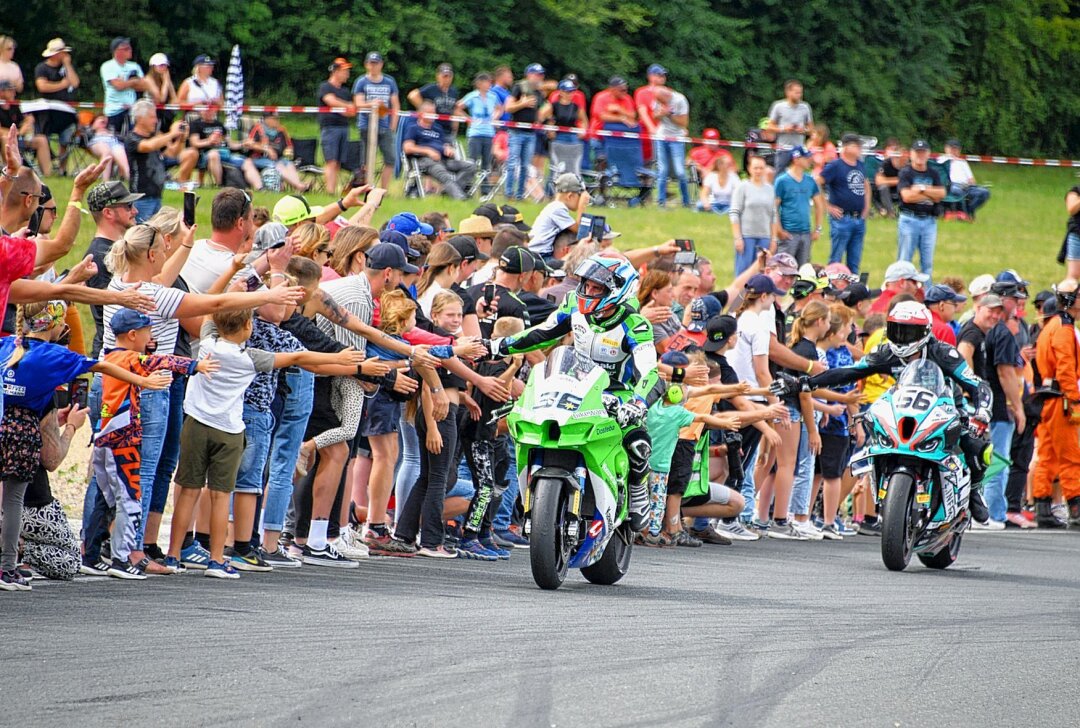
(304, 151)
(952, 202)
(625, 175)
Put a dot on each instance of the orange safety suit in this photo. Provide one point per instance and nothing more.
(1058, 357)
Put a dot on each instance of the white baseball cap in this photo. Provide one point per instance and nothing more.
(981, 285)
(159, 59)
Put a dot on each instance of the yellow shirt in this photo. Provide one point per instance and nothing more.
(876, 385)
(702, 405)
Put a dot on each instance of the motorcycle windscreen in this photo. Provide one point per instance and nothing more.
(567, 379)
(922, 374)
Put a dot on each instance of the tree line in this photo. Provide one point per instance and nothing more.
(997, 74)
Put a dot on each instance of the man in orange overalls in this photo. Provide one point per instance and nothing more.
(1058, 360)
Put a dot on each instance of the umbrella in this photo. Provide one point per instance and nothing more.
(234, 90)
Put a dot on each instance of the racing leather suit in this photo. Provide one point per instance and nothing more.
(622, 344)
(883, 360)
(1058, 358)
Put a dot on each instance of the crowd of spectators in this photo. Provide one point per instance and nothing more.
(317, 387)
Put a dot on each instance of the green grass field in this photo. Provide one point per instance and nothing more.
(1021, 227)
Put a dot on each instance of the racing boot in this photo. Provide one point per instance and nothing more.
(639, 505)
(1074, 512)
(1044, 515)
(977, 506)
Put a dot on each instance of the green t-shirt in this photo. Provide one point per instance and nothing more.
(664, 423)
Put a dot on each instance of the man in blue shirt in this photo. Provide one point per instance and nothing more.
(379, 93)
(504, 82)
(849, 193)
(122, 78)
(424, 142)
(796, 191)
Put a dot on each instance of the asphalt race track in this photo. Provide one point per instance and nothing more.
(760, 634)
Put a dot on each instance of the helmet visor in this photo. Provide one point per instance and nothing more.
(903, 334)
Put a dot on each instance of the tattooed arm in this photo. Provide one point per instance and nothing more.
(324, 304)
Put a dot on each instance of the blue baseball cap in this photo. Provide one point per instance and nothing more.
(395, 237)
(656, 69)
(387, 255)
(701, 310)
(761, 284)
(127, 319)
(534, 68)
(408, 223)
(940, 292)
(567, 85)
(675, 359)
(799, 152)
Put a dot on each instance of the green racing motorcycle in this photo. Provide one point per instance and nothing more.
(573, 472)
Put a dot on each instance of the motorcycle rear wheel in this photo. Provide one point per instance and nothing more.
(549, 547)
(615, 561)
(896, 535)
(945, 558)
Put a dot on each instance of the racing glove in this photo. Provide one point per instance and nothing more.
(631, 414)
(497, 348)
(980, 423)
(785, 385)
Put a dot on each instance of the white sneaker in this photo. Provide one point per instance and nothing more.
(989, 525)
(786, 532)
(808, 529)
(350, 545)
(736, 531)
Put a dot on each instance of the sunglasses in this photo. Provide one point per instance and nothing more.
(40, 196)
(322, 250)
(49, 209)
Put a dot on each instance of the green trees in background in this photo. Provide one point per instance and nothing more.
(998, 74)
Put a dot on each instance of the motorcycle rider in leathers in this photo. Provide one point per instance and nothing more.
(909, 336)
(610, 332)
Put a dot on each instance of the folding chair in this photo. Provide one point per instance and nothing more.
(626, 177)
(953, 203)
(304, 151)
(414, 179)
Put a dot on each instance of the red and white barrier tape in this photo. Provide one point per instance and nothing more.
(42, 104)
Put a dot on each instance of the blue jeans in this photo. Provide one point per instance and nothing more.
(917, 234)
(93, 495)
(804, 476)
(1001, 434)
(258, 431)
(286, 447)
(671, 160)
(170, 450)
(974, 195)
(506, 508)
(748, 488)
(146, 208)
(154, 414)
(1072, 247)
(521, 146)
(746, 258)
(408, 469)
(847, 235)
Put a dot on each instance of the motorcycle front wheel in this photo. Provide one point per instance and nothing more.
(615, 561)
(945, 558)
(896, 535)
(549, 546)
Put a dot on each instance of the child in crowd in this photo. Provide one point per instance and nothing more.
(33, 367)
(212, 441)
(666, 417)
(834, 431)
(487, 459)
(116, 458)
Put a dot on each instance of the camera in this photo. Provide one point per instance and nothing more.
(733, 441)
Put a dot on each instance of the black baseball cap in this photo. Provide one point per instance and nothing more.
(718, 330)
(108, 194)
(516, 259)
(374, 57)
(920, 145)
(466, 247)
(856, 293)
(850, 138)
(547, 266)
(387, 255)
(502, 215)
(395, 237)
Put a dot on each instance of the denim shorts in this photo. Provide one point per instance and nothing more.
(1072, 247)
(795, 412)
(382, 415)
